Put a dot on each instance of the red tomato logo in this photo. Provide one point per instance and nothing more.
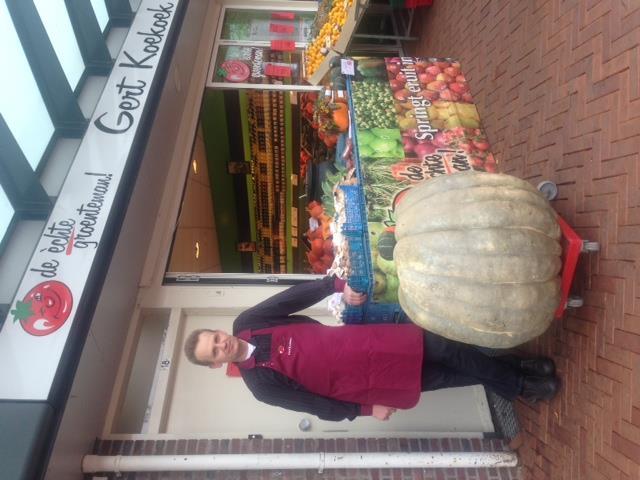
(44, 309)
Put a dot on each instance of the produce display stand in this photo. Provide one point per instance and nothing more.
(412, 119)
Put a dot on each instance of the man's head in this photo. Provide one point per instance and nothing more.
(214, 348)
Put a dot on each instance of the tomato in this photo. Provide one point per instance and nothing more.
(312, 257)
(44, 309)
(317, 247)
(402, 78)
(326, 260)
(328, 247)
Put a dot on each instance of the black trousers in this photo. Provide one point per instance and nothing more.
(447, 363)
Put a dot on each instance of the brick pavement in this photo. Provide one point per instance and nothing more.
(557, 84)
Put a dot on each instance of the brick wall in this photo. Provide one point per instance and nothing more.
(278, 445)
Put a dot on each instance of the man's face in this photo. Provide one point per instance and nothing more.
(217, 348)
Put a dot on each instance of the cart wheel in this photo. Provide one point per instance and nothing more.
(575, 302)
(589, 247)
(548, 189)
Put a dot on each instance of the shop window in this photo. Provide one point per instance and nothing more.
(100, 10)
(256, 25)
(28, 118)
(252, 228)
(62, 37)
(6, 214)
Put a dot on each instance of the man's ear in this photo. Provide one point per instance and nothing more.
(215, 365)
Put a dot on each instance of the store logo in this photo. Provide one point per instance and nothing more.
(44, 309)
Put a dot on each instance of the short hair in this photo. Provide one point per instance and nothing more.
(191, 343)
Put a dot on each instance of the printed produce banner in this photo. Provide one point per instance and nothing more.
(415, 120)
(257, 65)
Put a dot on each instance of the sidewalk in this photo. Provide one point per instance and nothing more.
(557, 85)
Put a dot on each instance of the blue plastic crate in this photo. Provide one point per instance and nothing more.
(382, 312)
(355, 217)
(361, 277)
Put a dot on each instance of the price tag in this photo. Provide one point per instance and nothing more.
(347, 67)
(283, 45)
(280, 28)
(283, 16)
(277, 70)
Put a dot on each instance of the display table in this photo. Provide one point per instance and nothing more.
(412, 119)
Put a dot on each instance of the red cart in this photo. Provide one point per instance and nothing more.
(572, 247)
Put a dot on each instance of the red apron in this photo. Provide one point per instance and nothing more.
(365, 364)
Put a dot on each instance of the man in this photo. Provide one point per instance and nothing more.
(294, 362)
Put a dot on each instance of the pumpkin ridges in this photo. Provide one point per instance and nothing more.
(465, 333)
(458, 306)
(487, 214)
(485, 269)
(461, 181)
(488, 241)
(516, 296)
(480, 192)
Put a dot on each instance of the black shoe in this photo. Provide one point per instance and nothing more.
(538, 367)
(539, 388)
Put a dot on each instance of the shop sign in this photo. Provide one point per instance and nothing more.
(43, 312)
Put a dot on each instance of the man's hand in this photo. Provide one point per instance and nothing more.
(382, 413)
(353, 298)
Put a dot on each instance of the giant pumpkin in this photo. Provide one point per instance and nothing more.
(478, 258)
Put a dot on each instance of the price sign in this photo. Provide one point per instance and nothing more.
(347, 67)
(277, 70)
(283, 45)
(280, 28)
(283, 16)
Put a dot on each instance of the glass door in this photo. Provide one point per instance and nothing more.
(261, 48)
